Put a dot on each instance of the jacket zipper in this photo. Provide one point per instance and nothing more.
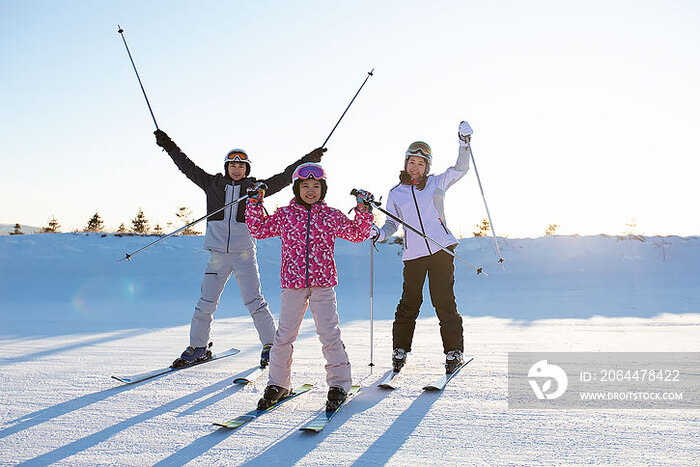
(230, 213)
(308, 239)
(415, 201)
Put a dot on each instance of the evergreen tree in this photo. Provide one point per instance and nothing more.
(484, 228)
(139, 224)
(551, 228)
(158, 230)
(95, 224)
(184, 215)
(53, 226)
(17, 231)
(121, 229)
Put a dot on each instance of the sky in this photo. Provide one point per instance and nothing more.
(584, 114)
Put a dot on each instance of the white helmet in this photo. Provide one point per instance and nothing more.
(237, 155)
(419, 149)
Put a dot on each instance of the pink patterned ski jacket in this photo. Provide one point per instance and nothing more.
(308, 239)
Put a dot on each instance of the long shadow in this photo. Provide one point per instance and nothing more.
(49, 413)
(35, 418)
(196, 449)
(76, 345)
(92, 440)
(292, 451)
(217, 396)
(396, 435)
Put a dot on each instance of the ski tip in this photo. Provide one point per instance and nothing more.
(122, 380)
(430, 388)
(307, 429)
(224, 426)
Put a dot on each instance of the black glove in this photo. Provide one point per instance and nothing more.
(314, 156)
(163, 140)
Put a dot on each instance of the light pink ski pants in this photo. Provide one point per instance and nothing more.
(293, 305)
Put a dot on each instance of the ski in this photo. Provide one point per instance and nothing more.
(390, 381)
(440, 383)
(152, 374)
(253, 414)
(321, 420)
(250, 377)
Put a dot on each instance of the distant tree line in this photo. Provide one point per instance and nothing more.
(140, 225)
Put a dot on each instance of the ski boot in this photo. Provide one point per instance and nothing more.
(398, 359)
(265, 356)
(271, 396)
(453, 360)
(193, 355)
(336, 397)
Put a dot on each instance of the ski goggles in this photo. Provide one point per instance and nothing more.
(418, 148)
(309, 170)
(237, 155)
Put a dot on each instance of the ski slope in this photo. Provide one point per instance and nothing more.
(71, 316)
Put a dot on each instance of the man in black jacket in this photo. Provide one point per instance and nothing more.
(231, 248)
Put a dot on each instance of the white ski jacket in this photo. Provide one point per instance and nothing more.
(424, 210)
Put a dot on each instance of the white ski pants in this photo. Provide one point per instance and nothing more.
(244, 266)
(322, 302)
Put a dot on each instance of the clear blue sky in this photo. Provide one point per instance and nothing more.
(585, 114)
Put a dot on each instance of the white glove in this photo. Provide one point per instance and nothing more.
(374, 232)
(465, 133)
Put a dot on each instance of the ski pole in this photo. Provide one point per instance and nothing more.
(479, 270)
(493, 231)
(371, 307)
(129, 255)
(369, 73)
(121, 32)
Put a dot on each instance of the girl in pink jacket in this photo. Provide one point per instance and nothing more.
(308, 229)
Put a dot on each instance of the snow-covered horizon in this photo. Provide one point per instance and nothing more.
(71, 316)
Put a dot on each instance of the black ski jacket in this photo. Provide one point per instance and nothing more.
(226, 230)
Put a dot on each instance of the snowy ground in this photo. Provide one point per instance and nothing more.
(70, 317)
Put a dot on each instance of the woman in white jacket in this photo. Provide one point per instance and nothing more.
(419, 200)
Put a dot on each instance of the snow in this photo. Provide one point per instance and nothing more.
(71, 316)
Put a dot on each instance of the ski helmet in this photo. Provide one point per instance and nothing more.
(419, 149)
(306, 171)
(237, 155)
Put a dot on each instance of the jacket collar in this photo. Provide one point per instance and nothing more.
(315, 207)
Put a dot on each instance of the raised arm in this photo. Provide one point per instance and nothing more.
(459, 170)
(186, 166)
(357, 229)
(259, 223)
